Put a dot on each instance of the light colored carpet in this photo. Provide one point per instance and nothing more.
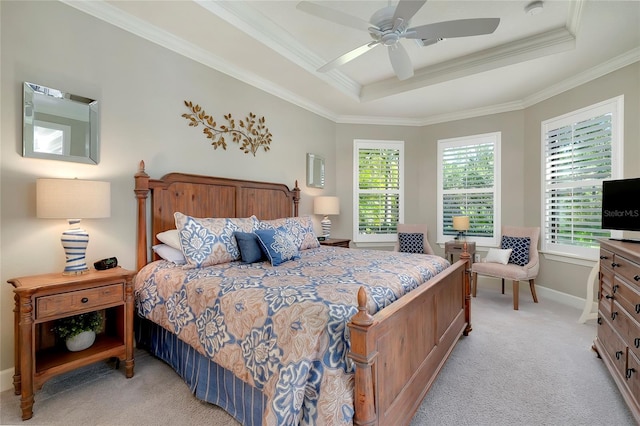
(534, 366)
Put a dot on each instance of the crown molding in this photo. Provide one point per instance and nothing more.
(102, 10)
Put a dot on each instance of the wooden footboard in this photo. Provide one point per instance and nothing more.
(399, 351)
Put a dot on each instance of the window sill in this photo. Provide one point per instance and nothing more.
(567, 258)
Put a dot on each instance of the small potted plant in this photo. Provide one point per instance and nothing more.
(78, 331)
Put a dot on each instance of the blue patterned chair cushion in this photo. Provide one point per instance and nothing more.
(411, 243)
(278, 245)
(249, 245)
(210, 241)
(520, 249)
(298, 228)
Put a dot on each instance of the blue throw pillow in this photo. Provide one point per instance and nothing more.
(249, 245)
(411, 243)
(520, 249)
(278, 245)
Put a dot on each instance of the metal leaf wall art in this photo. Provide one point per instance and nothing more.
(251, 133)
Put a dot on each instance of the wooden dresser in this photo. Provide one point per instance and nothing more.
(618, 338)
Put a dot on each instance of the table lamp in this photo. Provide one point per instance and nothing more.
(461, 224)
(73, 199)
(326, 206)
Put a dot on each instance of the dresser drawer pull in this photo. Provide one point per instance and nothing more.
(637, 277)
(600, 320)
(603, 257)
(608, 296)
(638, 308)
(614, 315)
(630, 371)
(614, 264)
(618, 355)
(84, 299)
(615, 288)
(637, 342)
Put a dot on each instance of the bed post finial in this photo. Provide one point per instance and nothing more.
(142, 192)
(363, 356)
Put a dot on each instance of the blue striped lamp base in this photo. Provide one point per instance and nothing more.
(75, 241)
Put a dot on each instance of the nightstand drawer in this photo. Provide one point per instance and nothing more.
(71, 302)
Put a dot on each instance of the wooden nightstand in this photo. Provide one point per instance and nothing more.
(455, 247)
(336, 242)
(42, 299)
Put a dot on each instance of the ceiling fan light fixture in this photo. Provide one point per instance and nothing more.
(533, 8)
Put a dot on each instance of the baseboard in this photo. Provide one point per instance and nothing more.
(6, 376)
(6, 379)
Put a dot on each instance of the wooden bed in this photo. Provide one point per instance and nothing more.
(398, 352)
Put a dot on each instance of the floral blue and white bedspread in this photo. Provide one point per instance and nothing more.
(282, 329)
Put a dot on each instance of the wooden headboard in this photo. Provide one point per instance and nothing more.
(205, 196)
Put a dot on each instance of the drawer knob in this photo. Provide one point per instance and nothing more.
(618, 355)
(600, 320)
(637, 277)
(638, 308)
(614, 264)
(615, 288)
(614, 315)
(608, 296)
(84, 299)
(637, 342)
(630, 371)
(603, 257)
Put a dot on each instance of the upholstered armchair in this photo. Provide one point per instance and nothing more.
(409, 237)
(516, 260)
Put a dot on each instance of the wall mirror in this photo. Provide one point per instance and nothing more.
(315, 171)
(59, 126)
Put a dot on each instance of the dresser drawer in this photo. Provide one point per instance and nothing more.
(633, 377)
(606, 259)
(628, 328)
(628, 297)
(628, 270)
(616, 349)
(72, 302)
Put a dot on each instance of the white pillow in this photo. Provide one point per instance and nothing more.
(170, 238)
(169, 253)
(498, 256)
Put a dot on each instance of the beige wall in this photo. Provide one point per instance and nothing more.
(141, 88)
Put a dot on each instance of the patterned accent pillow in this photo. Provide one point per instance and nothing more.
(249, 245)
(278, 245)
(210, 241)
(411, 243)
(298, 228)
(520, 246)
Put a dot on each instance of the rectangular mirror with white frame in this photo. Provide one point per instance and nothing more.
(59, 125)
(315, 171)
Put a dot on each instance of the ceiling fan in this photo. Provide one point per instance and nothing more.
(390, 24)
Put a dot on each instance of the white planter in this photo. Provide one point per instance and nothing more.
(81, 341)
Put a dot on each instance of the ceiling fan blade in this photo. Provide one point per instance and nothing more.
(400, 61)
(407, 8)
(333, 15)
(349, 56)
(452, 29)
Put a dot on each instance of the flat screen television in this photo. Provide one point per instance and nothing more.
(621, 204)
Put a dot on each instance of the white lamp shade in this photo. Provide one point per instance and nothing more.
(461, 223)
(72, 199)
(326, 205)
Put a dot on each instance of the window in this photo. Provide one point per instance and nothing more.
(579, 151)
(469, 185)
(379, 190)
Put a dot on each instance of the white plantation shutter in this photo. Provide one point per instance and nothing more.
(468, 176)
(378, 190)
(579, 152)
